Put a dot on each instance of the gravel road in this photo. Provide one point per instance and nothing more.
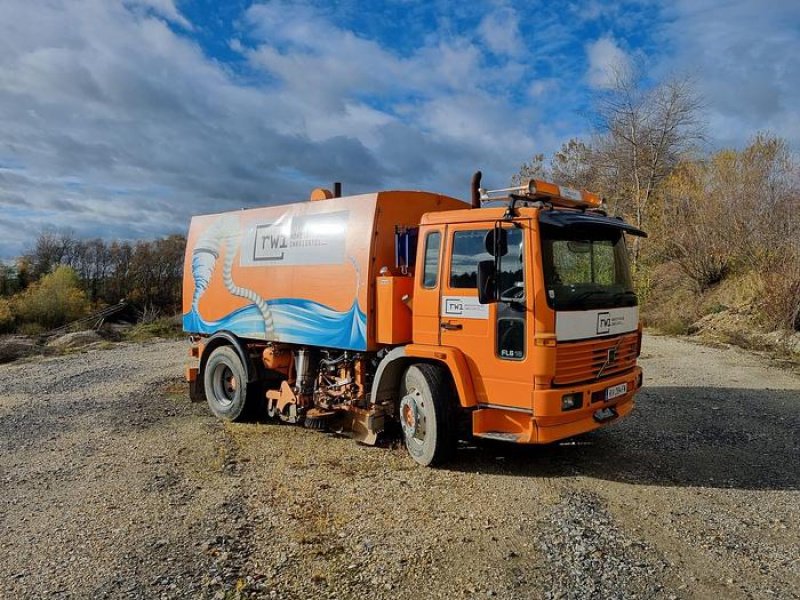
(114, 485)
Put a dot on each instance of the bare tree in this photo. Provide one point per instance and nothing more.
(535, 169)
(642, 135)
(574, 165)
(52, 249)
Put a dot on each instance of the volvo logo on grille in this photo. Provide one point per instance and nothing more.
(610, 357)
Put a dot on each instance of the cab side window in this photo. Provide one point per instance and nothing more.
(430, 269)
(468, 250)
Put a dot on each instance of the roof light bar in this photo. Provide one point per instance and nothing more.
(537, 189)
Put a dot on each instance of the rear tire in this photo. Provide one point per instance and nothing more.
(225, 383)
(427, 414)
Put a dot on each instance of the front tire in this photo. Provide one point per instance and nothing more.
(427, 414)
(225, 383)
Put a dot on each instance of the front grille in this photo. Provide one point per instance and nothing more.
(578, 362)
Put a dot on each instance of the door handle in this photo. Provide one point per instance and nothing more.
(452, 326)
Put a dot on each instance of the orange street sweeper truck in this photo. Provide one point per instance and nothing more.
(511, 318)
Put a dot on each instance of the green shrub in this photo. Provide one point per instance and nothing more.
(56, 299)
(6, 316)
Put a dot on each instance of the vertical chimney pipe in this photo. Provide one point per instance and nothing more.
(476, 189)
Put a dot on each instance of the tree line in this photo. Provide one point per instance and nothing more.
(63, 277)
(724, 225)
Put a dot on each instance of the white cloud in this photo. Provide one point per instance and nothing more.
(605, 59)
(331, 74)
(540, 87)
(165, 9)
(499, 30)
(745, 57)
(593, 10)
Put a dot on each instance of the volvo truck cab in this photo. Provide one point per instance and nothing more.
(536, 294)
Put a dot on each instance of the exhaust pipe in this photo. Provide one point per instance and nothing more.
(476, 189)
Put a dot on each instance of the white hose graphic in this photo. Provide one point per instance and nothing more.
(225, 230)
(227, 279)
(358, 273)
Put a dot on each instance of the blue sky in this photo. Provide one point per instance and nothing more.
(124, 118)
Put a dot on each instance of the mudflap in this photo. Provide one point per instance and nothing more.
(197, 391)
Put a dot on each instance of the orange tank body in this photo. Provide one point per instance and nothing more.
(301, 273)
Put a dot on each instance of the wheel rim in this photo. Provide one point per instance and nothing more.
(413, 418)
(225, 385)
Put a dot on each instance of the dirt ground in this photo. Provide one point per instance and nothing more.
(114, 485)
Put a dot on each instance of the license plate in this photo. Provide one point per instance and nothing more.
(616, 390)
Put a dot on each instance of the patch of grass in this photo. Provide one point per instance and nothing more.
(717, 308)
(163, 327)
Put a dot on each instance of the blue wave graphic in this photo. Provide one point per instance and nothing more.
(296, 321)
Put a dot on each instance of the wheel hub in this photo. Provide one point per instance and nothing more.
(412, 416)
(225, 384)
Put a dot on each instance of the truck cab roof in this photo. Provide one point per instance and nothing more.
(550, 215)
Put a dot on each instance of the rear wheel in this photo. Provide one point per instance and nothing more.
(427, 414)
(225, 383)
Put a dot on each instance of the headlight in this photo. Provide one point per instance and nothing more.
(571, 401)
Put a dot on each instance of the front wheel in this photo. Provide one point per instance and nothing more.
(225, 383)
(427, 414)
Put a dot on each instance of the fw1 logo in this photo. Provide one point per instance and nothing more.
(606, 323)
(316, 239)
(603, 323)
(453, 307)
(269, 246)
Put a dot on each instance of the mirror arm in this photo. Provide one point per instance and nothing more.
(497, 265)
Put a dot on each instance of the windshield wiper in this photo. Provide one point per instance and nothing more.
(588, 294)
(627, 294)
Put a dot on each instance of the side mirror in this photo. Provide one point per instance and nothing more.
(496, 242)
(487, 282)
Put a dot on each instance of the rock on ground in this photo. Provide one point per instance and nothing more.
(76, 339)
(14, 347)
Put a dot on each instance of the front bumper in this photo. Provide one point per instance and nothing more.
(547, 423)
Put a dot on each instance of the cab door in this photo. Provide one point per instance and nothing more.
(492, 337)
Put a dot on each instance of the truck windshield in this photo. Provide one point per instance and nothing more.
(585, 269)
